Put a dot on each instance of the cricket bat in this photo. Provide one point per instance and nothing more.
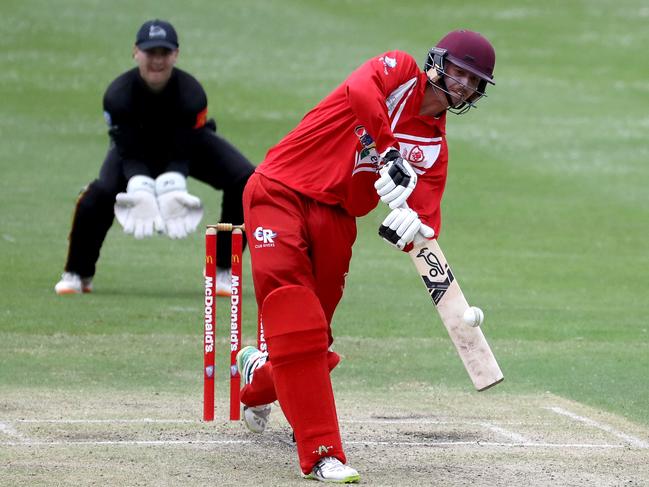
(449, 300)
(451, 304)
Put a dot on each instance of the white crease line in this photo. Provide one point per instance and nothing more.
(129, 442)
(108, 421)
(632, 440)
(430, 444)
(485, 443)
(189, 421)
(401, 421)
(197, 421)
(455, 422)
(10, 431)
(515, 437)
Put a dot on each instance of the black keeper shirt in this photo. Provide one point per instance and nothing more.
(154, 132)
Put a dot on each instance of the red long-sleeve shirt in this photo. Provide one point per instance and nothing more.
(323, 159)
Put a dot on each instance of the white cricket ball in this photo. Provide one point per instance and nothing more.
(473, 316)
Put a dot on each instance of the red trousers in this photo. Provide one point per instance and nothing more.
(296, 241)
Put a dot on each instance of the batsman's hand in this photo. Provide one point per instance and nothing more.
(397, 179)
(137, 209)
(181, 211)
(401, 226)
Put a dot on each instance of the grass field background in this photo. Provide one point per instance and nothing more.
(545, 216)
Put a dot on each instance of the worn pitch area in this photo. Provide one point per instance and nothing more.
(434, 437)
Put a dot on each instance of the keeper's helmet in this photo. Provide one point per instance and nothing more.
(467, 50)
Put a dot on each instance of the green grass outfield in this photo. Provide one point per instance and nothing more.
(546, 215)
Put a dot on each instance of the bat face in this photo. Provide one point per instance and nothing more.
(451, 304)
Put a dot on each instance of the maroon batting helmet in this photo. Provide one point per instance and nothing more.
(468, 50)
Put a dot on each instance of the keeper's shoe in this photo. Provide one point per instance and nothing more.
(72, 283)
(330, 469)
(250, 359)
(223, 282)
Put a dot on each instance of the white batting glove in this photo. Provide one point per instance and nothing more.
(181, 211)
(397, 180)
(401, 226)
(137, 209)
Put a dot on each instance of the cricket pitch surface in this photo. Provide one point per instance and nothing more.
(431, 437)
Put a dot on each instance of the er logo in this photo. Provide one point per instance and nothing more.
(264, 235)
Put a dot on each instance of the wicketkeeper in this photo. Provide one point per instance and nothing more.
(159, 135)
(380, 135)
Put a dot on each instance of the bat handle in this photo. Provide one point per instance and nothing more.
(420, 240)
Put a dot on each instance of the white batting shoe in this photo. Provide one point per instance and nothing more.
(72, 283)
(256, 417)
(223, 282)
(330, 469)
(250, 359)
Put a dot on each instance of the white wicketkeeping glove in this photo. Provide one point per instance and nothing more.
(181, 211)
(397, 179)
(400, 227)
(137, 209)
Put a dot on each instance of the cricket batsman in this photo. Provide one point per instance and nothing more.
(380, 135)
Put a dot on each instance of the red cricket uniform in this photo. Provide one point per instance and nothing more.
(300, 208)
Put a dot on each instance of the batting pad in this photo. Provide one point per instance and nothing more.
(291, 309)
(297, 336)
(262, 389)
